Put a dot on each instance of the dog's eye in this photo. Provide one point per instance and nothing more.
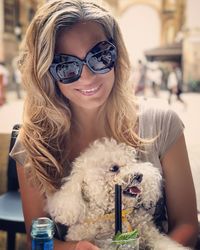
(114, 168)
(138, 177)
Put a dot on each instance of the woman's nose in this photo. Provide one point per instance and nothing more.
(86, 74)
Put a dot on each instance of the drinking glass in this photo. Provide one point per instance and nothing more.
(130, 244)
(109, 244)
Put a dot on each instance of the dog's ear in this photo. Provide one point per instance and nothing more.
(152, 186)
(66, 206)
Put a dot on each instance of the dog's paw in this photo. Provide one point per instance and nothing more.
(64, 209)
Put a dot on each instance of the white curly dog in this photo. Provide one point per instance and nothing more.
(85, 202)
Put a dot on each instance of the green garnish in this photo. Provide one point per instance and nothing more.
(126, 236)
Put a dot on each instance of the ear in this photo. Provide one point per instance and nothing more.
(67, 206)
(152, 187)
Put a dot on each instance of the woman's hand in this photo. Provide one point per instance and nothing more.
(85, 245)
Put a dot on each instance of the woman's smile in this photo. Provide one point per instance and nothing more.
(90, 91)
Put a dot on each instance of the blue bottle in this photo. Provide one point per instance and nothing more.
(42, 231)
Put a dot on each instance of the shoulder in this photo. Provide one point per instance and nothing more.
(18, 152)
(156, 111)
(157, 118)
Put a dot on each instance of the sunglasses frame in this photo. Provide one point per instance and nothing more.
(59, 60)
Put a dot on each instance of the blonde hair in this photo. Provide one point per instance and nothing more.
(46, 121)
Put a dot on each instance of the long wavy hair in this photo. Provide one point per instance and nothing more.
(45, 133)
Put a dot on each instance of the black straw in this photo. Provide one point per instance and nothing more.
(118, 209)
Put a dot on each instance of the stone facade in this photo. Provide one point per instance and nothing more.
(15, 15)
(172, 15)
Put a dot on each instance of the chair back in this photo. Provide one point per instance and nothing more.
(12, 179)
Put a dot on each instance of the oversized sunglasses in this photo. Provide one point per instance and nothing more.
(100, 60)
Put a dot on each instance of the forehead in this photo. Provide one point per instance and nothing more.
(79, 38)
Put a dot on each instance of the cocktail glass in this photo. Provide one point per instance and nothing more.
(109, 244)
(130, 244)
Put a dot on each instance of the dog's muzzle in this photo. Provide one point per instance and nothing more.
(132, 189)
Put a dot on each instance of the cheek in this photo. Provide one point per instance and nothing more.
(108, 77)
(65, 89)
(111, 77)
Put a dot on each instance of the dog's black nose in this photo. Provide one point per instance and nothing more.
(138, 177)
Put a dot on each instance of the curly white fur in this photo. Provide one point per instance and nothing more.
(87, 195)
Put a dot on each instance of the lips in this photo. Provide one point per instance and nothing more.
(132, 191)
(90, 91)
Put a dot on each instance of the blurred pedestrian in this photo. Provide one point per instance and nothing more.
(156, 80)
(179, 76)
(3, 82)
(141, 79)
(17, 81)
(16, 77)
(175, 84)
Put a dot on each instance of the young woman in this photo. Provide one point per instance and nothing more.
(75, 70)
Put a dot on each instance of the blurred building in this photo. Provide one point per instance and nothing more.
(191, 45)
(171, 14)
(179, 22)
(15, 15)
(179, 32)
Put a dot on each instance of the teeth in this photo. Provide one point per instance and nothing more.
(89, 90)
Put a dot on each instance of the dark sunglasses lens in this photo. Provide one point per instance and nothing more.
(100, 61)
(68, 71)
(102, 57)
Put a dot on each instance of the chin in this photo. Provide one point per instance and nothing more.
(92, 105)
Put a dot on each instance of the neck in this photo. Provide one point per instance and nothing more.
(87, 126)
(87, 121)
